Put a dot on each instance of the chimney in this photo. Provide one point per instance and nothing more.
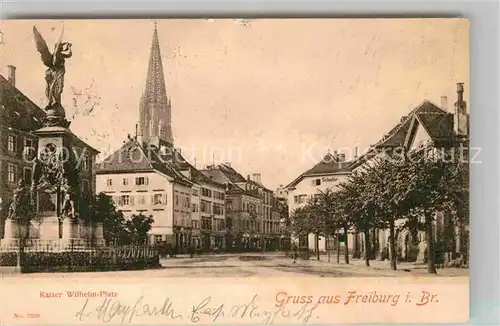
(444, 103)
(461, 118)
(227, 164)
(356, 152)
(138, 136)
(256, 177)
(12, 75)
(341, 157)
(248, 177)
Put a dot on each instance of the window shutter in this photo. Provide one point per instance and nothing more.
(132, 200)
(146, 181)
(152, 199)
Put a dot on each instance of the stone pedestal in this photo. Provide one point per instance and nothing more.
(49, 228)
(70, 230)
(11, 230)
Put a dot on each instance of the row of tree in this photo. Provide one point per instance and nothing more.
(403, 189)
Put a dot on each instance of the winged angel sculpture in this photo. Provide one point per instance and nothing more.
(54, 75)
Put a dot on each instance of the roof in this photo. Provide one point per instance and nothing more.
(196, 175)
(17, 110)
(133, 157)
(437, 122)
(328, 165)
(224, 174)
(231, 173)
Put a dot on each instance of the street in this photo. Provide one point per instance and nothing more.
(261, 265)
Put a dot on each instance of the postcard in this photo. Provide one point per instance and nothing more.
(234, 171)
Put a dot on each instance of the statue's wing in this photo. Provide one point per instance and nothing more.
(42, 47)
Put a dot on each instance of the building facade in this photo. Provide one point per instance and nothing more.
(253, 220)
(148, 175)
(19, 117)
(331, 171)
(430, 128)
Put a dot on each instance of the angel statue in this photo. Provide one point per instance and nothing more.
(54, 75)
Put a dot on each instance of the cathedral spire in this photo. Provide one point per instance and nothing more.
(155, 110)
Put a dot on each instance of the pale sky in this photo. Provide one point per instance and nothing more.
(271, 96)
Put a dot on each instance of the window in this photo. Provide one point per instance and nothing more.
(300, 199)
(219, 195)
(141, 181)
(195, 224)
(303, 242)
(206, 192)
(218, 209)
(158, 239)
(85, 163)
(229, 205)
(186, 202)
(11, 143)
(125, 181)
(195, 208)
(141, 199)
(176, 199)
(206, 223)
(109, 182)
(29, 148)
(124, 200)
(158, 199)
(316, 182)
(11, 173)
(27, 175)
(195, 192)
(205, 207)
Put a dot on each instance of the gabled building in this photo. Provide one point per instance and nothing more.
(243, 209)
(148, 175)
(328, 173)
(141, 176)
(19, 116)
(427, 127)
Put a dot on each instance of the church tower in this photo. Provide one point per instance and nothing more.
(155, 115)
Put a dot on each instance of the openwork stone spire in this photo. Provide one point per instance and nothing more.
(155, 109)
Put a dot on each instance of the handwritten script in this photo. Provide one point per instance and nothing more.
(208, 310)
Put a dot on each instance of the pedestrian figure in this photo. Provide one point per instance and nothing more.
(191, 251)
(295, 253)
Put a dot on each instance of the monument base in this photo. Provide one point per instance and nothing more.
(49, 228)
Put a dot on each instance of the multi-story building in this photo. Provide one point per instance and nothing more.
(142, 184)
(327, 174)
(251, 210)
(141, 176)
(19, 116)
(426, 127)
(208, 208)
(148, 175)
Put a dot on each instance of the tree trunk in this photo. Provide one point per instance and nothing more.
(431, 266)
(338, 248)
(317, 246)
(346, 252)
(368, 250)
(374, 244)
(392, 245)
(356, 250)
